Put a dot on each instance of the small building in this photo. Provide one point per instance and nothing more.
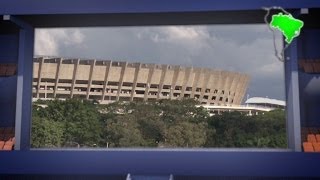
(266, 103)
(253, 106)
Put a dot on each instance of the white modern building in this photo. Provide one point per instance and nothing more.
(265, 102)
(253, 106)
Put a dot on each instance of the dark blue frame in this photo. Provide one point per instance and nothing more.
(34, 7)
(187, 163)
(28, 14)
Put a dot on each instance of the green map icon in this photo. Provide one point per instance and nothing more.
(288, 25)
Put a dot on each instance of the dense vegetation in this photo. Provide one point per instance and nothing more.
(164, 123)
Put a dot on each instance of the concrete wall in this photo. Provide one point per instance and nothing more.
(107, 81)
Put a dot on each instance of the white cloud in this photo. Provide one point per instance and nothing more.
(247, 49)
(49, 41)
(74, 37)
(196, 45)
(271, 69)
(174, 33)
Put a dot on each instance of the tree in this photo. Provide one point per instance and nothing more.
(153, 123)
(46, 133)
(80, 120)
(122, 131)
(186, 134)
(163, 123)
(233, 129)
(174, 111)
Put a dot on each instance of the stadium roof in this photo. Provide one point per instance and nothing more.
(262, 100)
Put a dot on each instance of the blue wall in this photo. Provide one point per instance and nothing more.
(9, 54)
(309, 49)
(9, 48)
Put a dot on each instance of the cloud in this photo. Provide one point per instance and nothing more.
(244, 48)
(177, 33)
(270, 69)
(50, 41)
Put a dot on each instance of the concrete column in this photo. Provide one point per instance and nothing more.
(75, 70)
(39, 75)
(213, 85)
(186, 79)
(108, 67)
(163, 75)
(241, 88)
(222, 81)
(93, 64)
(57, 78)
(236, 99)
(123, 71)
(227, 87)
(195, 82)
(136, 74)
(150, 74)
(224, 87)
(174, 80)
(233, 89)
(244, 88)
(204, 83)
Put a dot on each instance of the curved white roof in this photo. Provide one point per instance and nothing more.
(262, 100)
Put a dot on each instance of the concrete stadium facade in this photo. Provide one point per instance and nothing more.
(109, 81)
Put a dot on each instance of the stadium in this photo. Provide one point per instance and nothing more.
(109, 81)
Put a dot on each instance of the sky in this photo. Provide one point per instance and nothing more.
(242, 48)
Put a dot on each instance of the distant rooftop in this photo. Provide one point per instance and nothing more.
(262, 100)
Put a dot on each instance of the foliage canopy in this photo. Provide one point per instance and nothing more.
(164, 123)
